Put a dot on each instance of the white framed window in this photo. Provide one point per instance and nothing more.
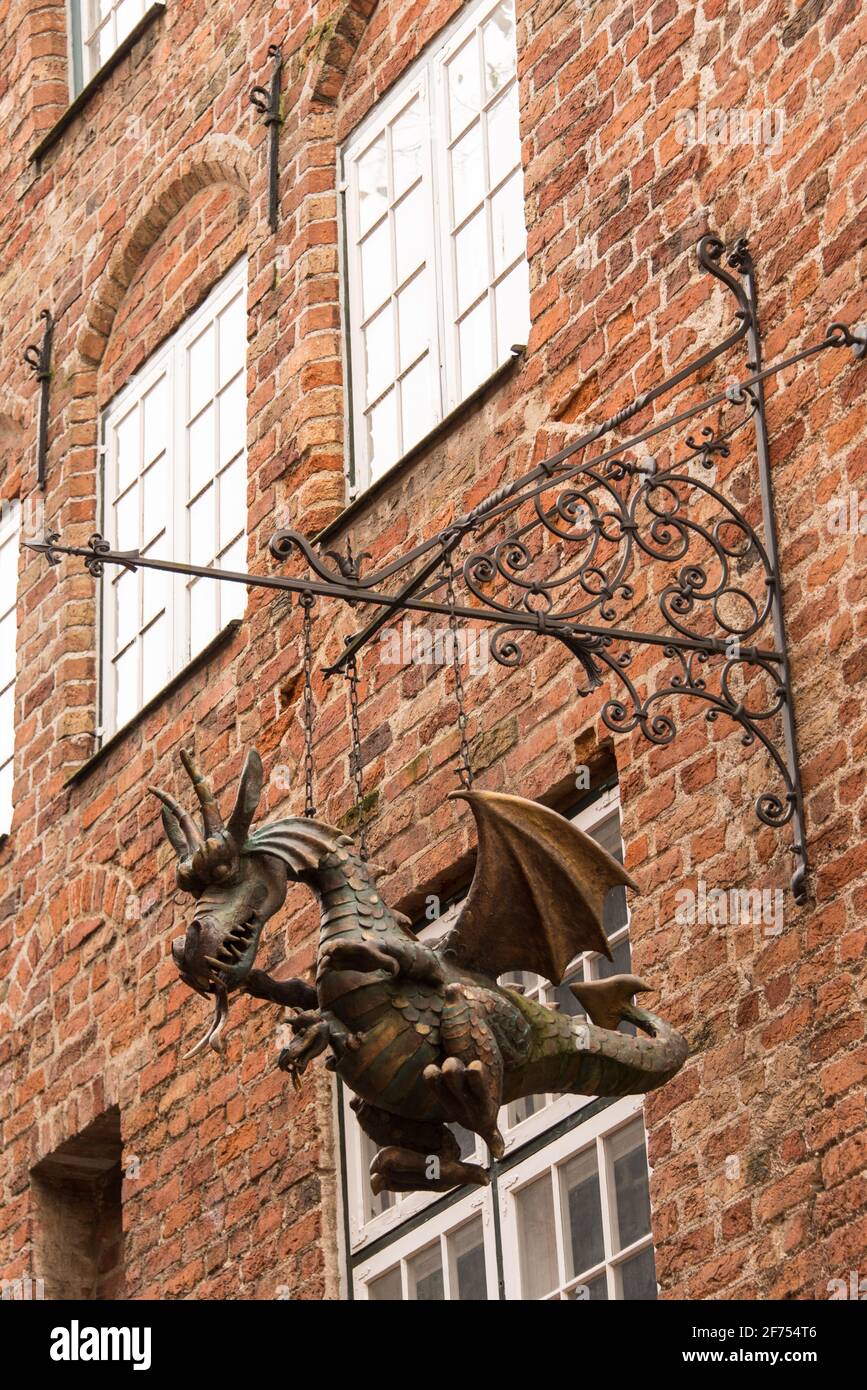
(96, 29)
(575, 1218)
(10, 525)
(435, 237)
(612, 1140)
(453, 1258)
(175, 487)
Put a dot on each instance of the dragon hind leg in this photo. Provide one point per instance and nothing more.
(469, 1084)
(417, 1156)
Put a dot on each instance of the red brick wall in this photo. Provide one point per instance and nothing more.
(130, 217)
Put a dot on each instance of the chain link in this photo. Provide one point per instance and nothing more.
(307, 601)
(355, 755)
(465, 767)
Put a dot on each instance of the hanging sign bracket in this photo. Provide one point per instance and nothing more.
(596, 533)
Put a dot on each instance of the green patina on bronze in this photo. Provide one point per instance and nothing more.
(424, 1036)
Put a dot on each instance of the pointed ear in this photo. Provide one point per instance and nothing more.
(249, 791)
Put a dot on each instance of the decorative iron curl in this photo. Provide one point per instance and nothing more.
(99, 546)
(623, 716)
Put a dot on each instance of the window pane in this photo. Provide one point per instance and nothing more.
(467, 1250)
(629, 1165)
(155, 500)
(375, 268)
(7, 724)
(126, 609)
(382, 435)
(638, 1276)
(202, 522)
(155, 421)
(504, 140)
(512, 297)
(580, 1179)
(475, 341)
(416, 403)
(621, 962)
(233, 338)
(128, 15)
(233, 420)
(8, 574)
(233, 597)
(233, 501)
(7, 649)
(126, 443)
(414, 311)
(466, 1139)
(426, 1276)
(155, 658)
(592, 1291)
(409, 233)
(536, 1239)
(522, 1109)
(509, 231)
(6, 807)
(406, 138)
(471, 258)
(379, 352)
(203, 613)
(155, 583)
(386, 1288)
(200, 358)
(201, 451)
(463, 83)
(608, 836)
(126, 685)
(468, 173)
(372, 185)
(126, 520)
(499, 47)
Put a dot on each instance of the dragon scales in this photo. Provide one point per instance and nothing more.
(424, 1036)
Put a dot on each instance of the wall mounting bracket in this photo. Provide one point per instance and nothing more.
(594, 534)
(267, 100)
(38, 357)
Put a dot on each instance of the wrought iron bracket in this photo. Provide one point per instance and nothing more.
(571, 548)
(267, 100)
(38, 357)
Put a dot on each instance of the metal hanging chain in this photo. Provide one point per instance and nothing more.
(465, 767)
(355, 756)
(307, 601)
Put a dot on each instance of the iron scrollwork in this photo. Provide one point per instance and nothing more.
(598, 532)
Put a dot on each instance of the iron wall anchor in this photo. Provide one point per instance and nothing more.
(267, 100)
(38, 357)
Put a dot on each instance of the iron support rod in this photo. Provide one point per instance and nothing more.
(763, 454)
(267, 100)
(38, 357)
(348, 593)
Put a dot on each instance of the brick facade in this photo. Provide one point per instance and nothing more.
(121, 228)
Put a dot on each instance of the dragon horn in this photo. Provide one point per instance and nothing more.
(249, 791)
(202, 787)
(186, 823)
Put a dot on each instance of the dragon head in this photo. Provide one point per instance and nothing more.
(238, 880)
(236, 888)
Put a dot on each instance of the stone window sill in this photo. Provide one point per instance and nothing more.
(222, 639)
(98, 80)
(439, 431)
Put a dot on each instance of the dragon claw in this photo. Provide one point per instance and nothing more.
(364, 956)
(464, 1092)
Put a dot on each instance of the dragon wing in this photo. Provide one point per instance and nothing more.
(537, 894)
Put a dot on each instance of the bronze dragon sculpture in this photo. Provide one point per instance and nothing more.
(424, 1036)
